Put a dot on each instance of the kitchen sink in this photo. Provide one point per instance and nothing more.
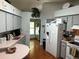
(75, 43)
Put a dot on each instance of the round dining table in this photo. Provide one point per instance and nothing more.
(21, 52)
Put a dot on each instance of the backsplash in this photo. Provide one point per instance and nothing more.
(76, 32)
(4, 34)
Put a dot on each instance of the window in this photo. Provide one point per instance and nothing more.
(31, 28)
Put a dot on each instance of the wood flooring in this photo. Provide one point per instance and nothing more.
(37, 52)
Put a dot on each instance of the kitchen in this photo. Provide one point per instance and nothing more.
(59, 26)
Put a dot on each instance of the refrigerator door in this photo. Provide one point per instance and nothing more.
(47, 37)
(55, 36)
(54, 32)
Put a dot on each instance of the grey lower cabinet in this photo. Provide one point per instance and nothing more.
(2, 21)
(68, 56)
(63, 50)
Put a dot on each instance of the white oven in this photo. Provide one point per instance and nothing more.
(72, 52)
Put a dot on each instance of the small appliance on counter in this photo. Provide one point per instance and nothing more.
(15, 34)
(3, 40)
(11, 36)
(69, 35)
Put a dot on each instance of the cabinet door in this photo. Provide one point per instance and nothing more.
(64, 25)
(2, 22)
(68, 56)
(69, 22)
(18, 22)
(15, 22)
(53, 39)
(63, 50)
(76, 20)
(9, 22)
(67, 51)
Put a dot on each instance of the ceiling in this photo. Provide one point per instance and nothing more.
(26, 5)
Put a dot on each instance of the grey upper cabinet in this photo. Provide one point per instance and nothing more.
(2, 22)
(76, 20)
(9, 18)
(7, 22)
(65, 18)
(5, 6)
(69, 22)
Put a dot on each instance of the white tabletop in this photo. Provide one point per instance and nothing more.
(21, 52)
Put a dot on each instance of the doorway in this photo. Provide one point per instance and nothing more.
(35, 27)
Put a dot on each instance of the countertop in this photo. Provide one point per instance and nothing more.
(11, 42)
(69, 44)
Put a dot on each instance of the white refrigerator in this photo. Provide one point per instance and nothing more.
(53, 41)
(47, 34)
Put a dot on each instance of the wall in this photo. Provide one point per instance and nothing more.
(26, 25)
(47, 13)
